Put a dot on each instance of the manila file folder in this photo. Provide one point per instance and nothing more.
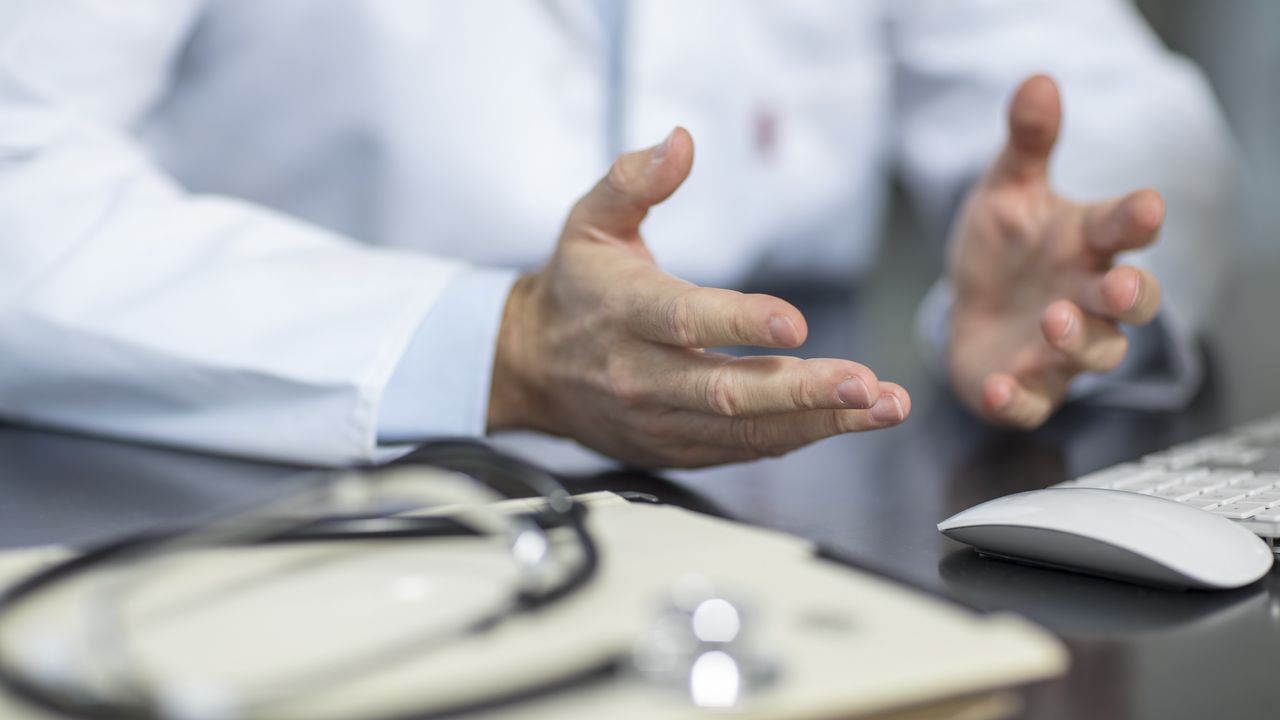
(845, 643)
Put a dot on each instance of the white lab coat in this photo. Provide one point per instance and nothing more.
(223, 224)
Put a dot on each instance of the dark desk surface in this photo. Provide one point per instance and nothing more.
(1138, 653)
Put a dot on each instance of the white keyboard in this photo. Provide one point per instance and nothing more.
(1235, 474)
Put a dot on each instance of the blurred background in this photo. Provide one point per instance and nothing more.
(1235, 42)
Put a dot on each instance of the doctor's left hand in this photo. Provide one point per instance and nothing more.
(1038, 297)
(602, 346)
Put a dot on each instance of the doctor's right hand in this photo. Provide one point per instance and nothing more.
(603, 347)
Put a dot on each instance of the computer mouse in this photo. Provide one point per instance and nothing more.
(1115, 534)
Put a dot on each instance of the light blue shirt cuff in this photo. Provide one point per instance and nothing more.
(441, 386)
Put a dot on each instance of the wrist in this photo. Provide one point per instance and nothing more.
(514, 395)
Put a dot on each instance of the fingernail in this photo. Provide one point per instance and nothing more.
(887, 409)
(1003, 396)
(1070, 328)
(1137, 293)
(783, 331)
(853, 392)
(659, 152)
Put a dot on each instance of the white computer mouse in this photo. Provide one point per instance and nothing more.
(1115, 534)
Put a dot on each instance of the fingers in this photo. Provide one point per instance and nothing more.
(1035, 115)
(677, 313)
(1007, 402)
(1087, 343)
(718, 439)
(1127, 294)
(636, 181)
(739, 387)
(1126, 223)
(776, 434)
(1086, 338)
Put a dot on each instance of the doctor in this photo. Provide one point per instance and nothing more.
(278, 228)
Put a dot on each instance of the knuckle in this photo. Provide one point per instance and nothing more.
(1013, 221)
(802, 392)
(620, 178)
(623, 383)
(839, 423)
(742, 309)
(721, 394)
(614, 301)
(756, 437)
(679, 320)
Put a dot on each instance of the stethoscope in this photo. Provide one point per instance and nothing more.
(556, 512)
(507, 476)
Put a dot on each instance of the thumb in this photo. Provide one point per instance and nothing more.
(1034, 118)
(636, 182)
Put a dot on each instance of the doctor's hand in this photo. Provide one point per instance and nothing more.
(603, 347)
(1038, 297)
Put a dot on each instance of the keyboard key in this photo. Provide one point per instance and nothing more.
(1238, 456)
(1142, 477)
(1252, 484)
(1156, 485)
(1213, 442)
(1161, 482)
(1212, 473)
(1230, 476)
(1147, 477)
(1107, 476)
(1178, 460)
(1181, 493)
(1271, 498)
(1225, 496)
(1239, 510)
(1206, 482)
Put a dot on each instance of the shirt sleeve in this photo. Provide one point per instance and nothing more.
(131, 307)
(1135, 115)
(440, 387)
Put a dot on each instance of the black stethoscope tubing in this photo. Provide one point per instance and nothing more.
(475, 460)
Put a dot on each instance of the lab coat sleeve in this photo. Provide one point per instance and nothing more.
(1135, 115)
(132, 308)
(441, 385)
